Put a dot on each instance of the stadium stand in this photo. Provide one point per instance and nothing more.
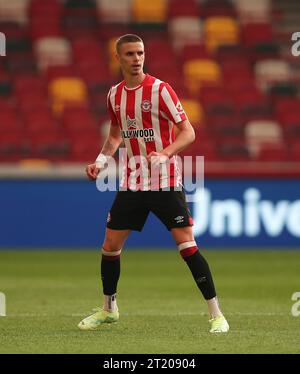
(227, 60)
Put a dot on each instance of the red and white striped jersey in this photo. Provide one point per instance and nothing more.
(146, 115)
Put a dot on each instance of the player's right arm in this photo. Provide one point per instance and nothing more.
(109, 148)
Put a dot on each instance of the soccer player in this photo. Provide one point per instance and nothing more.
(144, 112)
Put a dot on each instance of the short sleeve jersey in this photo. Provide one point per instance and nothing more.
(146, 115)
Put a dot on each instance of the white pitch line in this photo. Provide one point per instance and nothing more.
(141, 314)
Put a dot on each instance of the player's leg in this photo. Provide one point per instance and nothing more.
(110, 266)
(172, 209)
(110, 273)
(200, 270)
(127, 213)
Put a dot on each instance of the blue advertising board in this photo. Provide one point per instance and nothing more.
(227, 213)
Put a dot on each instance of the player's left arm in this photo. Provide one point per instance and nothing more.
(185, 136)
(170, 105)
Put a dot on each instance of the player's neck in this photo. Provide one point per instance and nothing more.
(132, 81)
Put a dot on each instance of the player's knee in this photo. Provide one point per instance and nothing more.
(187, 249)
(114, 240)
(111, 245)
(111, 249)
(111, 255)
(182, 235)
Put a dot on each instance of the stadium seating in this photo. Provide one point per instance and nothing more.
(273, 153)
(45, 18)
(66, 90)
(225, 60)
(200, 72)
(188, 8)
(217, 8)
(254, 10)
(154, 11)
(39, 120)
(52, 51)
(261, 133)
(194, 111)
(49, 146)
(220, 31)
(272, 71)
(184, 31)
(14, 11)
(117, 11)
(13, 146)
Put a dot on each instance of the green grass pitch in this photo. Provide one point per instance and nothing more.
(49, 292)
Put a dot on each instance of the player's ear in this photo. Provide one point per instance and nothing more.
(117, 56)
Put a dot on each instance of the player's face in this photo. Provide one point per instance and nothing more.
(131, 57)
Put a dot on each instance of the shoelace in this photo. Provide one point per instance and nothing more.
(218, 321)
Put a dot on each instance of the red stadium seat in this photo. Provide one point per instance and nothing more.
(42, 8)
(171, 74)
(45, 18)
(290, 122)
(53, 147)
(221, 126)
(287, 105)
(85, 149)
(214, 8)
(88, 49)
(187, 8)
(253, 108)
(255, 33)
(95, 76)
(98, 102)
(9, 122)
(203, 145)
(247, 97)
(79, 120)
(207, 150)
(193, 51)
(230, 53)
(13, 146)
(7, 105)
(60, 71)
(41, 121)
(294, 152)
(32, 102)
(240, 67)
(269, 153)
(160, 54)
(23, 84)
(215, 100)
(233, 149)
(45, 28)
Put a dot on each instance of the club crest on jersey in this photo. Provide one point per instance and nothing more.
(146, 106)
(131, 123)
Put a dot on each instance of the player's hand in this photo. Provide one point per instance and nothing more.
(92, 171)
(157, 158)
